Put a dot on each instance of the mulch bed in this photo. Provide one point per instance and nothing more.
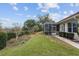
(22, 39)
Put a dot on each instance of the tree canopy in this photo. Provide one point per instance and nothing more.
(44, 18)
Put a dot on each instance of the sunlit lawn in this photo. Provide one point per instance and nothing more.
(41, 45)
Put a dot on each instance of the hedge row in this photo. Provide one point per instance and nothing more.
(23, 33)
(4, 37)
(67, 35)
(10, 35)
(7, 36)
(2, 40)
(13, 35)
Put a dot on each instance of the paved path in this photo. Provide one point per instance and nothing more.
(68, 41)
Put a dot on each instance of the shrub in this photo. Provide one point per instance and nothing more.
(21, 33)
(78, 33)
(36, 28)
(70, 35)
(10, 35)
(61, 34)
(2, 40)
(24, 33)
(13, 35)
(67, 35)
(47, 33)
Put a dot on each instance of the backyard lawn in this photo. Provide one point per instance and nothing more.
(41, 45)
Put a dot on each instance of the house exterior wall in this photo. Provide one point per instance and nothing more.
(71, 25)
(78, 24)
(64, 25)
(76, 36)
(62, 28)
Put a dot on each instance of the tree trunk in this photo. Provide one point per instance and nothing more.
(16, 36)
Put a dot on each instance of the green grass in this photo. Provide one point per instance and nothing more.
(41, 45)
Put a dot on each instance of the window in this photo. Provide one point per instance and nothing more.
(62, 27)
(74, 27)
(50, 27)
(46, 27)
(69, 27)
(54, 29)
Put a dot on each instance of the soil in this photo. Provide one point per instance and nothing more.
(21, 40)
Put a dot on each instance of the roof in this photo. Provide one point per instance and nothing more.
(50, 22)
(65, 19)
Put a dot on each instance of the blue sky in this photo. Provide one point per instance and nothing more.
(20, 12)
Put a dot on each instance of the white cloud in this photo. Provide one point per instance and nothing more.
(6, 22)
(55, 16)
(31, 16)
(76, 4)
(40, 5)
(34, 16)
(72, 4)
(52, 5)
(25, 8)
(13, 4)
(19, 14)
(46, 6)
(28, 16)
(15, 8)
(71, 11)
(68, 14)
(44, 10)
(65, 12)
(5, 19)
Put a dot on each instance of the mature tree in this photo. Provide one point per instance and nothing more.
(29, 24)
(44, 18)
(39, 25)
(35, 28)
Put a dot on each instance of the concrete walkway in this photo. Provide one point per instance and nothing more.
(68, 41)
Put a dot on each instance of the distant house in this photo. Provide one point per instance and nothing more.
(69, 24)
